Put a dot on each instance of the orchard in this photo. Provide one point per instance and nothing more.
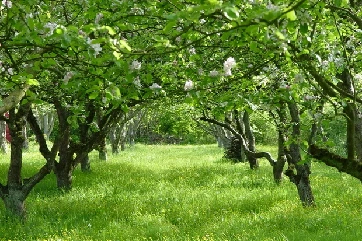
(171, 72)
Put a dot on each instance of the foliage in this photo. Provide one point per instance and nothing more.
(173, 124)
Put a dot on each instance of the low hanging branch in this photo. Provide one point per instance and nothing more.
(266, 155)
(13, 99)
(351, 167)
(49, 155)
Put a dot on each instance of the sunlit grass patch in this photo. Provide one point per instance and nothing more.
(185, 193)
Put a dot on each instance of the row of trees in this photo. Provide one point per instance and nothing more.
(95, 62)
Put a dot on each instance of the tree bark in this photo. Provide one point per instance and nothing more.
(13, 194)
(282, 147)
(3, 142)
(253, 161)
(13, 99)
(102, 150)
(64, 168)
(25, 135)
(266, 155)
(301, 179)
(85, 164)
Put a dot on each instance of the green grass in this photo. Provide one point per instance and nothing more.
(184, 193)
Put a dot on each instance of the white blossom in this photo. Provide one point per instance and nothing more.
(299, 78)
(200, 71)
(98, 18)
(82, 33)
(192, 50)
(273, 7)
(114, 41)
(228, 65)
(7, 4)
(51, 27)
(309, 97)
(11, 71)
(137, 82)
(284, 85)
(96, 47)
(358, 77)
(189, 85)
(318, 116)
(155, 86)
(136, 65)
(227, 72)
(202, 21)
(67, 77)
(178, 39)
(214, 73)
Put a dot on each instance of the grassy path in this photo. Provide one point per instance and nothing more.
(184, 193)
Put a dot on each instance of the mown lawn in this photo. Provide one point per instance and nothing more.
(184, 193)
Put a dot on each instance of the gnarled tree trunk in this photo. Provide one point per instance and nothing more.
(301, 178)
(253, 161)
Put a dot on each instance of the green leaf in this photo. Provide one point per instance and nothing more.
(231, 13)
(110, 30)
(124, 44)
(93, 96)
(169, 26)
(279, 35)
(291, 15)
(304, 28)
(117, 55)
(32, 82)
(254, 46)
(59, 31)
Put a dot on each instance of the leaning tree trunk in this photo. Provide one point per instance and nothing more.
(3, 142)
(253, 161)
(301, 179)
(282, 147)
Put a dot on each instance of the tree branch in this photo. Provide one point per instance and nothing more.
(266, 155)
(351, 167)
(13, 99)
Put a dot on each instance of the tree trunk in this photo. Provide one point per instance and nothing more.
(25, 135)
(282, 147)
(358, 137)
(233, 151)
(113, 139)
(15, 203)
(14, 197)
(301, 179)
(253, 161)
(64, 177)
(64, 168)
(85, 164)
(3, 142)
(102, 150)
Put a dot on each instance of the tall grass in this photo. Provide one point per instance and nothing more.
(184, 193)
